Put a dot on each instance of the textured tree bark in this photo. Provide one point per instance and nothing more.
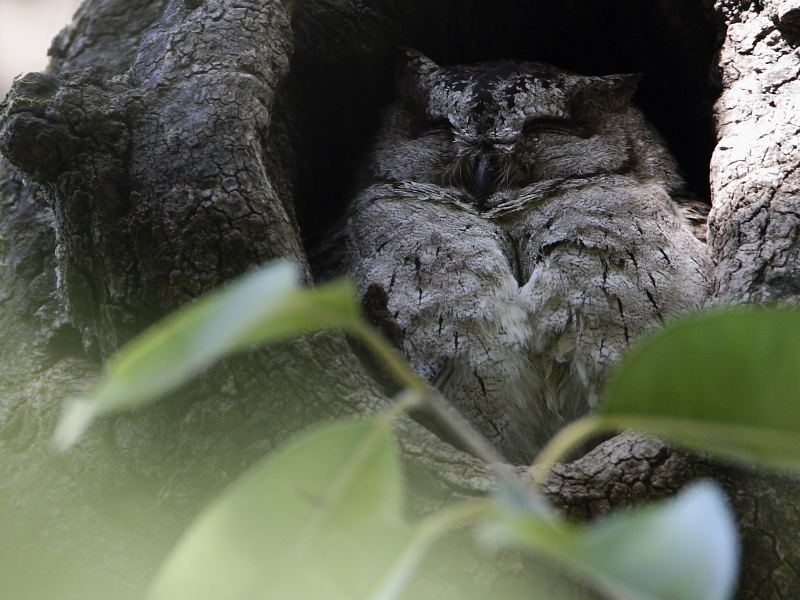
(172, 145)
(755, 223)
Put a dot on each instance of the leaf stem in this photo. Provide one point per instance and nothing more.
(418, 392)
(428, 531)
(564, 441)
(426, 395)
(403, 402)
(462, 429)
(390, 358)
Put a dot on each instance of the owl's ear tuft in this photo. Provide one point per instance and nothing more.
(621, 88)
(414, 62)
(609, 93)
(414, 71)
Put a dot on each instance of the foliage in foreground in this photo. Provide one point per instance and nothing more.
(321, 517)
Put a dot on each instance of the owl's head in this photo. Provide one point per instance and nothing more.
(506, 124)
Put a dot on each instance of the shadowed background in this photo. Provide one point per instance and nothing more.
(26, 30)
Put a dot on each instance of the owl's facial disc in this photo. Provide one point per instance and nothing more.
(499, 126)
(490, 103)
(490, 111)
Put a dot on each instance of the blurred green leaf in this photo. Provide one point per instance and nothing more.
(683, 549)
(266, 305)
(725, 382)
(318, 519)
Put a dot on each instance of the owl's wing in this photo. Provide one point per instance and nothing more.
(453, 292)
(602, 264)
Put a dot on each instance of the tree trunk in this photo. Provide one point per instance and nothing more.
(172, 145)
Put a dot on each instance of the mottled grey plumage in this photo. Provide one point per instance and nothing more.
(523, 221)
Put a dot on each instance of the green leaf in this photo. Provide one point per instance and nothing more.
(683, 549)
(318, 519)
(726, 382)
(263, 306)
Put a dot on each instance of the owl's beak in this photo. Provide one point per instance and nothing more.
(484, 179)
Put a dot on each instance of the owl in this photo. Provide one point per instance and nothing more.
(526, 224)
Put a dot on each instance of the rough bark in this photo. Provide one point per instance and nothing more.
(755, 226)
(172, 145)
